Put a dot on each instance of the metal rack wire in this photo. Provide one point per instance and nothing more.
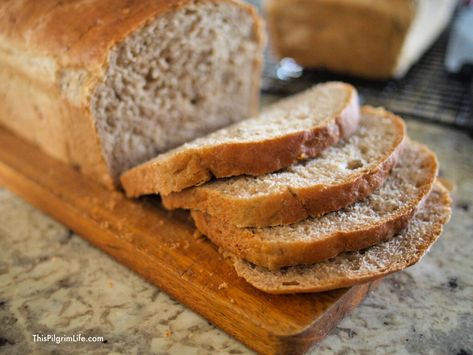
(427, 92)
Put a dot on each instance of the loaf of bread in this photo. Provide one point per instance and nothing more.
(342, 174)
(376, 218)
(107, 84)
(369, 38)
(296, 128)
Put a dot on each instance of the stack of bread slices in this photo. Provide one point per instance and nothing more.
(314, 194)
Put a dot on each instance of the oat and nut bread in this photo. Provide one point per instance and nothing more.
(295, 128)
(339, 176)
(360, 225)
(368, 38)
(107, 84)
(356, 267)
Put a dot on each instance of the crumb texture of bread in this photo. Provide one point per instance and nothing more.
(185, 74)
(339, 176)
(356, 267)
(362, 224)
(295, 128)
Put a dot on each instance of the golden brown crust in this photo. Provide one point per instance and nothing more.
(442, 199)
(42, 41)
(77, 33)
(376, 31)
(293, 205)
(193, 167)
(274, 255)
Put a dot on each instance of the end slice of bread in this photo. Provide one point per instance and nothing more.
(360, 225)
(356, 267)
(296, 128)
(339, 176)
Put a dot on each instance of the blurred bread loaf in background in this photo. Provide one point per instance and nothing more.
(367, 38)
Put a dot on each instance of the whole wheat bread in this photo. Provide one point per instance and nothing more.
(295, 128)
(360, 225)
(107, 84)
(340, 175)
(356, 267)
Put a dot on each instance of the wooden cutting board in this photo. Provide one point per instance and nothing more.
(163, 248)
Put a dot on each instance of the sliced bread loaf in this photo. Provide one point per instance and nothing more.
(339, 176)
(360, 225)
(352, 268)
(295, 128)
(104, 85)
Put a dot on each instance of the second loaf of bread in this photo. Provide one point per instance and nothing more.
(374, 39)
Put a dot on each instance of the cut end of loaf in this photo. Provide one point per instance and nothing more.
(187, 73)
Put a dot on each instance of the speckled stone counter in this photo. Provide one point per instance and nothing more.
(53, 282)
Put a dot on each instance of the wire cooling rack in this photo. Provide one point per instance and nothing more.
(427, 92)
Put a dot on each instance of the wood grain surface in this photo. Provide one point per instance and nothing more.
(164, 248)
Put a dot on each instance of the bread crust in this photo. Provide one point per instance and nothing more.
(46, 45)
(439, 199)
(295, 203)
(276, 254)
(193, 167)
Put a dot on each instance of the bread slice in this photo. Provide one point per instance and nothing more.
(362, 224)
(295, 128)
(356, 267)
(339, 176)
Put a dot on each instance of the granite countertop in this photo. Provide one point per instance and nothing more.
(53, 282)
